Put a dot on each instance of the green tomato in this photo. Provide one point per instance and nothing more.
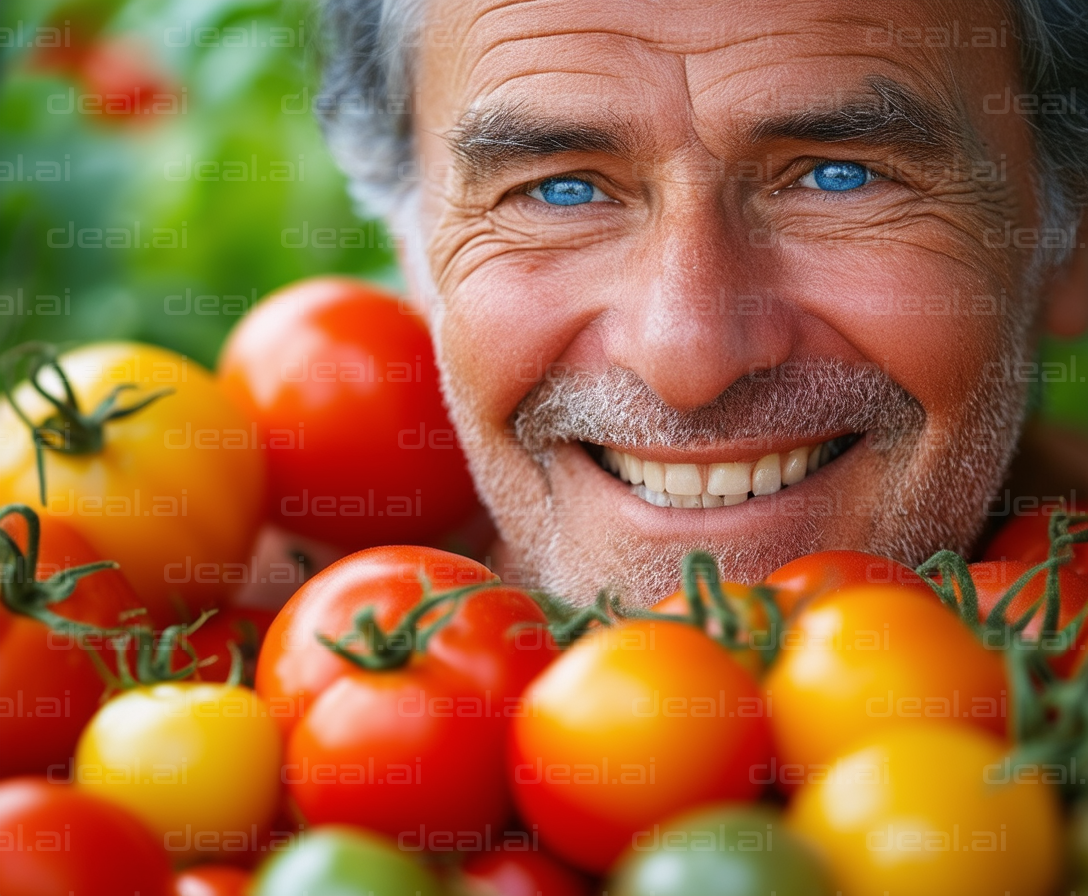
(720, 851)
(342, 861)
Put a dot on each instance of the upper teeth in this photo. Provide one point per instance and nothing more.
(713, 485)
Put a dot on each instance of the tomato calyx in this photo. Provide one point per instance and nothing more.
(713, 611)
(68, 430)
(950, 577)
(21, 593)
(387, 650)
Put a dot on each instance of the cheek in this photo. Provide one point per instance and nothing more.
(935, 326)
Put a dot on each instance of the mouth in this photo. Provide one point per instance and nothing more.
(717, 484)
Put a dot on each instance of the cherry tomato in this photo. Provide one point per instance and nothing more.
(866, 658)
(829, 572)
(634, 722)
(49, 688)
(333, 860)
(199, 763)
(341, 379)
(1026, 537)
(124, 82)
(519, 874)
(929, 808)
(57, 840)
(721, 851)
(174, 494)
(410, 750)
(993, 578)
(212, 880)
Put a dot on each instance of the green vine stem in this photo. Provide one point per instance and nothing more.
(393, 649)
(67, 430)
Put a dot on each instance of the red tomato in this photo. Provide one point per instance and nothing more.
(992, 579)
(212, 880)
(416, 749)
(631, 724)
(244, 626)
(123, 80)
(49, 688)
(1026, 537)
(520, 874)
(57, 839)
(340, 377)
(829, 572)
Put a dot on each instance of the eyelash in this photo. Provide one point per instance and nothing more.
(808, 169)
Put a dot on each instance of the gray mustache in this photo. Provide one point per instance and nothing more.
(796, 400)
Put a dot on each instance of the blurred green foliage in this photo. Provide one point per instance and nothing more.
(229, 195)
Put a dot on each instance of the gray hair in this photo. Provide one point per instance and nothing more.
(367, 98)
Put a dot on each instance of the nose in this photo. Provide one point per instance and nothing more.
(696, 310)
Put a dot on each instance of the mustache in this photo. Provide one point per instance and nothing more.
(795, 400)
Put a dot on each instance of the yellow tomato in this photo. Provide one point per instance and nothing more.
(933, 808)
(871, 657)
(199, 763)
(175, 492)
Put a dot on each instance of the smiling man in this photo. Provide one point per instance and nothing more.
(759, 277)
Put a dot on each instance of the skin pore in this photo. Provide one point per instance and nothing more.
(626, 237)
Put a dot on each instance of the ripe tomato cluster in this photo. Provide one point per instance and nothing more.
(406, 723)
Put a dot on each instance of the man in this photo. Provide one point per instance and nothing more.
(756, 277)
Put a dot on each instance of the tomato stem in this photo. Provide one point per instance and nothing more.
(67, 430)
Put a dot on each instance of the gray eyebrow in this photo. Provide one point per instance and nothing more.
(891, 115)
(486, 142)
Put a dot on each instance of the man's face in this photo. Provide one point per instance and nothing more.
(728, 276)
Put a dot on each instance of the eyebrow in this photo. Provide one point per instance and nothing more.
(487, 142)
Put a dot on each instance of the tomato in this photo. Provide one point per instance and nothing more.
(634, 722)
(720, 851)
(212, 880)
(332, 860)
(199, 763)
(175, 493)
(930, 808)
(519, 874)
(830, 572)
(245, 627)
(862, 659)
(992, 579)
(48, 686)
(342, 381)
(1027, 537)
(123, 80)
(413, 749)
(59, 840)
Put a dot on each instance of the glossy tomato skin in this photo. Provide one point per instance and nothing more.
(212, 880)
(414, 747)
(175, 496)
(829, 572)
(341, 378)
(408, 753)
(633, 723)
(199, 763)
(339, 860)
(720, 851)
(870, 657)
(49, 688)
(520, 874)
(1026, 537)
(293, 667)
(928, 808)
(992, 579)
(59, 840)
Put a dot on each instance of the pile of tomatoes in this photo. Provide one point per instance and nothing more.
(406, 723)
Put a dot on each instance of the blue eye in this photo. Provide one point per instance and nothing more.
(837, 177)
(567, 191)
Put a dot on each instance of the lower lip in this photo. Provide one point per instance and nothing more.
(823, 488)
